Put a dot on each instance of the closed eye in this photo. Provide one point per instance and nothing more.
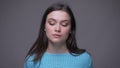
(64, 24)
(51, 22)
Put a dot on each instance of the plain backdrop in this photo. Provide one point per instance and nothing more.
(98, 29)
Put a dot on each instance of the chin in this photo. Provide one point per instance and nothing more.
(56, 41)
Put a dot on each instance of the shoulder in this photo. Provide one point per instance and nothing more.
(87, 59)
(30, 58)
(85, 56)
(84, 59)
(29, 63)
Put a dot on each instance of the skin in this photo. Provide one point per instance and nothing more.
(57, 28)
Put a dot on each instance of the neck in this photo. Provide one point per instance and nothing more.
(57, 48)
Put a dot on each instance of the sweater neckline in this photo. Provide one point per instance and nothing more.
(47, 53)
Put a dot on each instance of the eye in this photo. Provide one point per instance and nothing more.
(64, 24)
(51, 22)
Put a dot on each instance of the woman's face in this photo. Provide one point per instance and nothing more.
(57, 26)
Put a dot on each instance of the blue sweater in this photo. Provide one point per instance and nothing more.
(64, 60)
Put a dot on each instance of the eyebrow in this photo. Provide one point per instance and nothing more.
(51, 19)
(65, 21)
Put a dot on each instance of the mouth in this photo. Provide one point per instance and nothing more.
(56, 35)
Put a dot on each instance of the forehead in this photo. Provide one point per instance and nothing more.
(59, 15)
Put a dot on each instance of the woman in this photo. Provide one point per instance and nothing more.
(56, 45)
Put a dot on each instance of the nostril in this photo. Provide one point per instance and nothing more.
(58, 29)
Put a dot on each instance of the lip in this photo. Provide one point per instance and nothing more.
(56, 35)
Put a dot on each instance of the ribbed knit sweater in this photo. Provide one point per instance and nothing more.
(64, 60)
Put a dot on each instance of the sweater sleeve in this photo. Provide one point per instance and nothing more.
(88, 61)
(91, 64)
(29, 62)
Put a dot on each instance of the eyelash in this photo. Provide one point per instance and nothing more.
(53, 23)
(64, 24)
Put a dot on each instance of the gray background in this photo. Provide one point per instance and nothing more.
(98, 24)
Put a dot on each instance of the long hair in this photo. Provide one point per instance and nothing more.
(41, 44)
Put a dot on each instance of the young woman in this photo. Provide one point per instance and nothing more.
(56, 45)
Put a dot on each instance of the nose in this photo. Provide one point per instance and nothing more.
(58, 28)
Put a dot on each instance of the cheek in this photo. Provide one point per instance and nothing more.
(66, 31)
(47, 28)
(66, 34)
(49, 31)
